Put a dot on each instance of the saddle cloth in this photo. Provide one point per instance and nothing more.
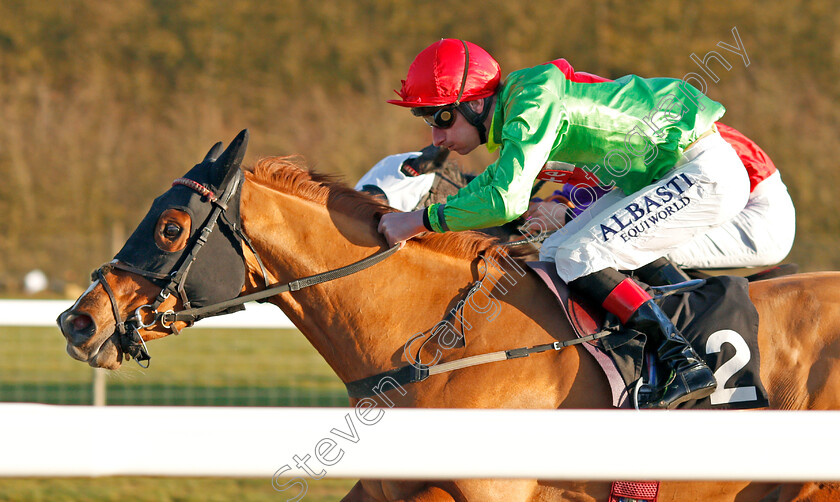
(642, 491)
(717, 318)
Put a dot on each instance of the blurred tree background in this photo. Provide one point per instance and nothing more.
(103, 103)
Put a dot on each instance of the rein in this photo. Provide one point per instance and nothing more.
(526, 240)
(192, 315)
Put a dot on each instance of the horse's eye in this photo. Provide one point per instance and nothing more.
(171, 231)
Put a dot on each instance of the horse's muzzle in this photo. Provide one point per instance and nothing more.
(85, 341)
(77, 327)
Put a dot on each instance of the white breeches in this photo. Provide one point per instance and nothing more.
(760, 235)
(707, 188)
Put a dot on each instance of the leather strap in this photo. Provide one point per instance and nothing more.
(192, 315)
(409, 374)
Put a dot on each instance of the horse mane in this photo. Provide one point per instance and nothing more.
(289, 174)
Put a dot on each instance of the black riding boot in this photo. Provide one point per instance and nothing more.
(690, 378)
(661, 272)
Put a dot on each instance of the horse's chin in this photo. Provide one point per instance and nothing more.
(107, 356)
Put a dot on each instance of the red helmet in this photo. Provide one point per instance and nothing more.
(449, 71)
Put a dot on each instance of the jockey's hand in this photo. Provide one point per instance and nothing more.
(399, 227)
(547, 215)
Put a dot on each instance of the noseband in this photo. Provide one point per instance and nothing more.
(131, 343)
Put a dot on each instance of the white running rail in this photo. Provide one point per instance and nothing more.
(46, 440)
(44, 312)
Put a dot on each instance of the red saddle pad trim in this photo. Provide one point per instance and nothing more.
(639, 490)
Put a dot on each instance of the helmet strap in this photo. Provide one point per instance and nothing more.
(477, 119)
(466, 73)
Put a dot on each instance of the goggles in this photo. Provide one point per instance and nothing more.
(440, 117)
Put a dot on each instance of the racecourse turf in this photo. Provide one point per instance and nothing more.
(200, 367)
(136, 489)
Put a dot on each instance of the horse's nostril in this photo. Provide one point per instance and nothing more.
(81, 322)
(76, 325)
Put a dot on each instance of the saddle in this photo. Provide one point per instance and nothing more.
(715, 314)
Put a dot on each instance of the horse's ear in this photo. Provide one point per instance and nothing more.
(228, 163)
(214, 152)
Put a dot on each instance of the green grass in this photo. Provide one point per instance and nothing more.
(119, 489)
(199, 367)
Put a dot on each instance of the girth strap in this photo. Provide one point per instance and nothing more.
(404, 375)
(409, 374)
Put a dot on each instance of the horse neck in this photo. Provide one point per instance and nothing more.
(361, 323)
(358, 323)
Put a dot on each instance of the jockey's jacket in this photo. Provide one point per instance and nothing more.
(756, 161)
(758, 164)
(624, 133)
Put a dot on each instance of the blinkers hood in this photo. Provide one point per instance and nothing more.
(219, 274)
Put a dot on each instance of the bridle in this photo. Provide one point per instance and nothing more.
(132, 343)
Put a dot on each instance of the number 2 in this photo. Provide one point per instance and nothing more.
(742, 356)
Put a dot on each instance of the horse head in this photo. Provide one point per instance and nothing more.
(132, 299)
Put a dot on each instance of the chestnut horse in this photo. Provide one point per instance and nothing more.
(300, 223)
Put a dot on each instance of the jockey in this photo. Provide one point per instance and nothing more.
(653, 140)
(759, 235)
